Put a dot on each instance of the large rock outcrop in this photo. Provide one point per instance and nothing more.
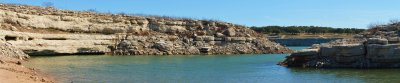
(12, 69)
(7, 50)
(49, 31)
(365, 55)
(379, 47)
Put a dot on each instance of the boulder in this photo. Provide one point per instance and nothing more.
(124, 44)
(377, 41)
(384, 53)
(230, 32)
(219, 35)
(6, 49)
(249, 39)
(192, 50)
(163, 46)
(204, 38)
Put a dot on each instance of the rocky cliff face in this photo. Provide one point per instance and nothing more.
(7, 50)
(44, 31)
(376, 48)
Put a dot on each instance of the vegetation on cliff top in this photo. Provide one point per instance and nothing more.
(294, 30)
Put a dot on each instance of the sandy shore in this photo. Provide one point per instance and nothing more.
(13, 71)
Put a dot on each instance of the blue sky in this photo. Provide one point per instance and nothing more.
(333, 13)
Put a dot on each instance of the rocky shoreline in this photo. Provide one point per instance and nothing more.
(12, 69)
(32, 31)
(376, 48)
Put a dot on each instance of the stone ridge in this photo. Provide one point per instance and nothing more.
(373, 53)
(50, 31)
(378, 47)
(92, 22)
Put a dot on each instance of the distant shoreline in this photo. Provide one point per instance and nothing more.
(302, 41)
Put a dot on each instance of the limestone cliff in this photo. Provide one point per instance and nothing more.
(50, 31)
(7, 50)
(379, 47)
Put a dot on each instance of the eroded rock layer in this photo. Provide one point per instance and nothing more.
(379, 47)
(7, 50)
(49, 31)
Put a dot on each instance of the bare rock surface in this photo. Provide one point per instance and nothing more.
(7, 50)
(50, 31)
(376, 48)
(31, 30)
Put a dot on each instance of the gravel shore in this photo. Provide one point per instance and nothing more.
(13, 71)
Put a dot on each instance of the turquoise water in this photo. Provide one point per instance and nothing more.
(198, 69)
(298, 47)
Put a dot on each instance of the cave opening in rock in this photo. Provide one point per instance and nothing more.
(10, 38)
(55, 38)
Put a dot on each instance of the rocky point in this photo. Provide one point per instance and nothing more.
(379, 47)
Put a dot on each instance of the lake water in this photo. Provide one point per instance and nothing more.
(259, 68)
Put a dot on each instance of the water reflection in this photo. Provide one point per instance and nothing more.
(345, 75)
(349, 75)
(199, 69)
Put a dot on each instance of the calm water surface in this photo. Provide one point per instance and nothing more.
(198, 69)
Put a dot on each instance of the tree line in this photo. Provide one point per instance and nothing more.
(304, 29)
